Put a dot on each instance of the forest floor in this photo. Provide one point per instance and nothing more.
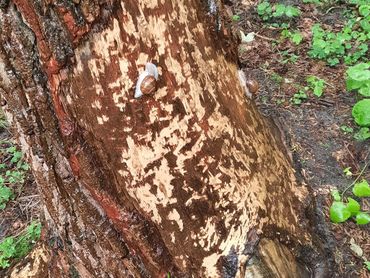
(19, 202)
(320, 130)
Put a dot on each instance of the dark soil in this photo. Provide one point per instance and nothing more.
(320, 149)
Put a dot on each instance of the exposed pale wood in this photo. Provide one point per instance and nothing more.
(184, 181)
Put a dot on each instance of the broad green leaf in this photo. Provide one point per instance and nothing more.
(361, 112)
(362, 218)
(353, 206)
(339, 212)
(361, 189)
(365, 90)
(359, 72)
(364, 10)
(367, 264)
(336, 195)
(352, 84)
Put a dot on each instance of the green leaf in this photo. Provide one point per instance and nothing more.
(235, 17)
(317, 85)
(346, 129)
(336, 195)
(365, 89)
(279, 10)
(5, 195)
(361, 112)
(361, 189)
(353, 206)
(291, 11)
(348, 172)
(7, 251)
(362, 218)
(367, 264)
(11, 149)
(359, 72)
(339, 212)
(352, 84)
(364, 10)
(362, 134)
(297, 38)
(333, 61)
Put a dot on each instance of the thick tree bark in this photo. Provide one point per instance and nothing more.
(190, 181)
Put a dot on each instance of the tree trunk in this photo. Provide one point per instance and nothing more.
(190, 180)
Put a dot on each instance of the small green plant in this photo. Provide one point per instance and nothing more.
(5, 194)
(363, 134)
(350, 44)
(300, 96)
(11, 173)
(316, 85)
(18, 247)
(341, 211)
(277, 78)
(235, 17)
(295, 37)
(267, 11)
(361, 113)
(358, 78)
(282, 10)
(288, 57)
(327, 45)
(347, 172)
(264, 10)
(346, 129)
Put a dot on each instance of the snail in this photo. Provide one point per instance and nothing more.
(252, 86)
(147, 81)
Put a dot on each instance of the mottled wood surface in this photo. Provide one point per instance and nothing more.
(183, 181)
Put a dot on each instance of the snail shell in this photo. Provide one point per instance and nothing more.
(148, 85)
(252, 86)
(147, 81)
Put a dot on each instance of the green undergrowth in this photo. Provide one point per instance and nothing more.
(341, 47)
(13, 170)
(16, 247)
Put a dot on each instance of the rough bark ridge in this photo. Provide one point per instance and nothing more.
(185, 181)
